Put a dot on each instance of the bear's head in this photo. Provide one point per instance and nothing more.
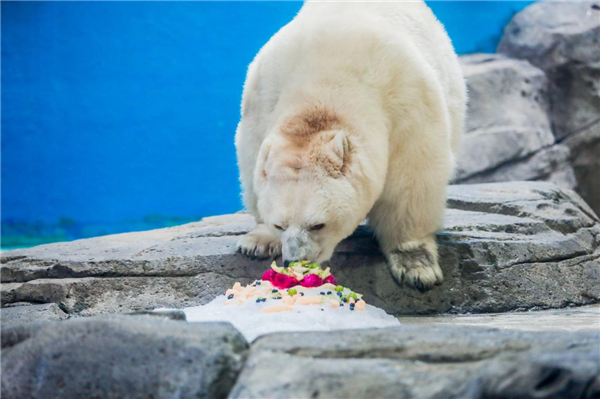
(306, 187)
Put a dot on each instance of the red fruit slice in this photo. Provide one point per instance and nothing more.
(311, 280)
(269, 275)
(282, 281)
(331, 280)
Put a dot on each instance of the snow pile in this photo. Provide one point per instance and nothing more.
(251, 322)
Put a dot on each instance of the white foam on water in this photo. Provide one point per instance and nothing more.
(251, 322)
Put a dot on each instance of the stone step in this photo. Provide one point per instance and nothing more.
(504, 246)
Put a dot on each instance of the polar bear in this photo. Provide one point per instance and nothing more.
(352, 111)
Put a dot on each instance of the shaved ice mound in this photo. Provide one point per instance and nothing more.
(288, 300)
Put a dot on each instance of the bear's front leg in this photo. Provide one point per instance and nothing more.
(405, 221)
(260, 243)
(416, 263)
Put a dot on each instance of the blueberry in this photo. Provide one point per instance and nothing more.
(302, 294)
(341, 304)
(322, 293)
(258, 300)
(339, 294)
(345, 299)
(230, 296)
(258, 283)
(328, 292)
(274, 291)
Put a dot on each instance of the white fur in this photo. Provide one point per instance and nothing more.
(389, 71)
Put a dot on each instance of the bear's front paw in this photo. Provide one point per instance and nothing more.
(416, 264)
(260, 243)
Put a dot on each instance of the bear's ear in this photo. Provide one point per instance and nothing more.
(263, 156)
(337, 150)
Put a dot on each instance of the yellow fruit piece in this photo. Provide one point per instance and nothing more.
(288, 300)
(308, 300)
(276, 309)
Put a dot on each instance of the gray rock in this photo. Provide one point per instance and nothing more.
(504, 246)
(29, 313)
(507, 116)
(421, 362)
(571, 319)
(563, 39)
(172, 314)
(555, 65)
(120, 357)
(551, 164)
(556, 374)
(584, 149)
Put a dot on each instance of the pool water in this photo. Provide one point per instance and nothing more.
(120, 116)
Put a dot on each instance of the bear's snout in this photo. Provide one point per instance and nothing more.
(296, 245)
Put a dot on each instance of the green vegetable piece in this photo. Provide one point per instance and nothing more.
(353, 296)
(325, 273)
(292, 291)
(313, 266)
(339, 288)
(276, 268)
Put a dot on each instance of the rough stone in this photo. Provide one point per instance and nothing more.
(120, 356)
(563, 39)
(554, 63)
(507, 116)
(422, 362)
(30, 313)
(576, 318)
(585, 157)
(504, 246)
(551, 164)
(172, 314)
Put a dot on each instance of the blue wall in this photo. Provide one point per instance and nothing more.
(119, 116)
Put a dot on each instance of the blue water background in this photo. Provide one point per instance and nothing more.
(120, 116)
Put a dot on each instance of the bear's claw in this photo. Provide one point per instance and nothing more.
(260, 243)
(416, 266)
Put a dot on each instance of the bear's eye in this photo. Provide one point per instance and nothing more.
(317, 227)
(278, 227)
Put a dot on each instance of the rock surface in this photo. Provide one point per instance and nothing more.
(548, 70)
(422, 362)
(578, 318)
(31, 313)
(551, 164)
(563, 39)
(120, 356)
(521, 128)
(504, 246)
(145, 356)
(584, 147)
